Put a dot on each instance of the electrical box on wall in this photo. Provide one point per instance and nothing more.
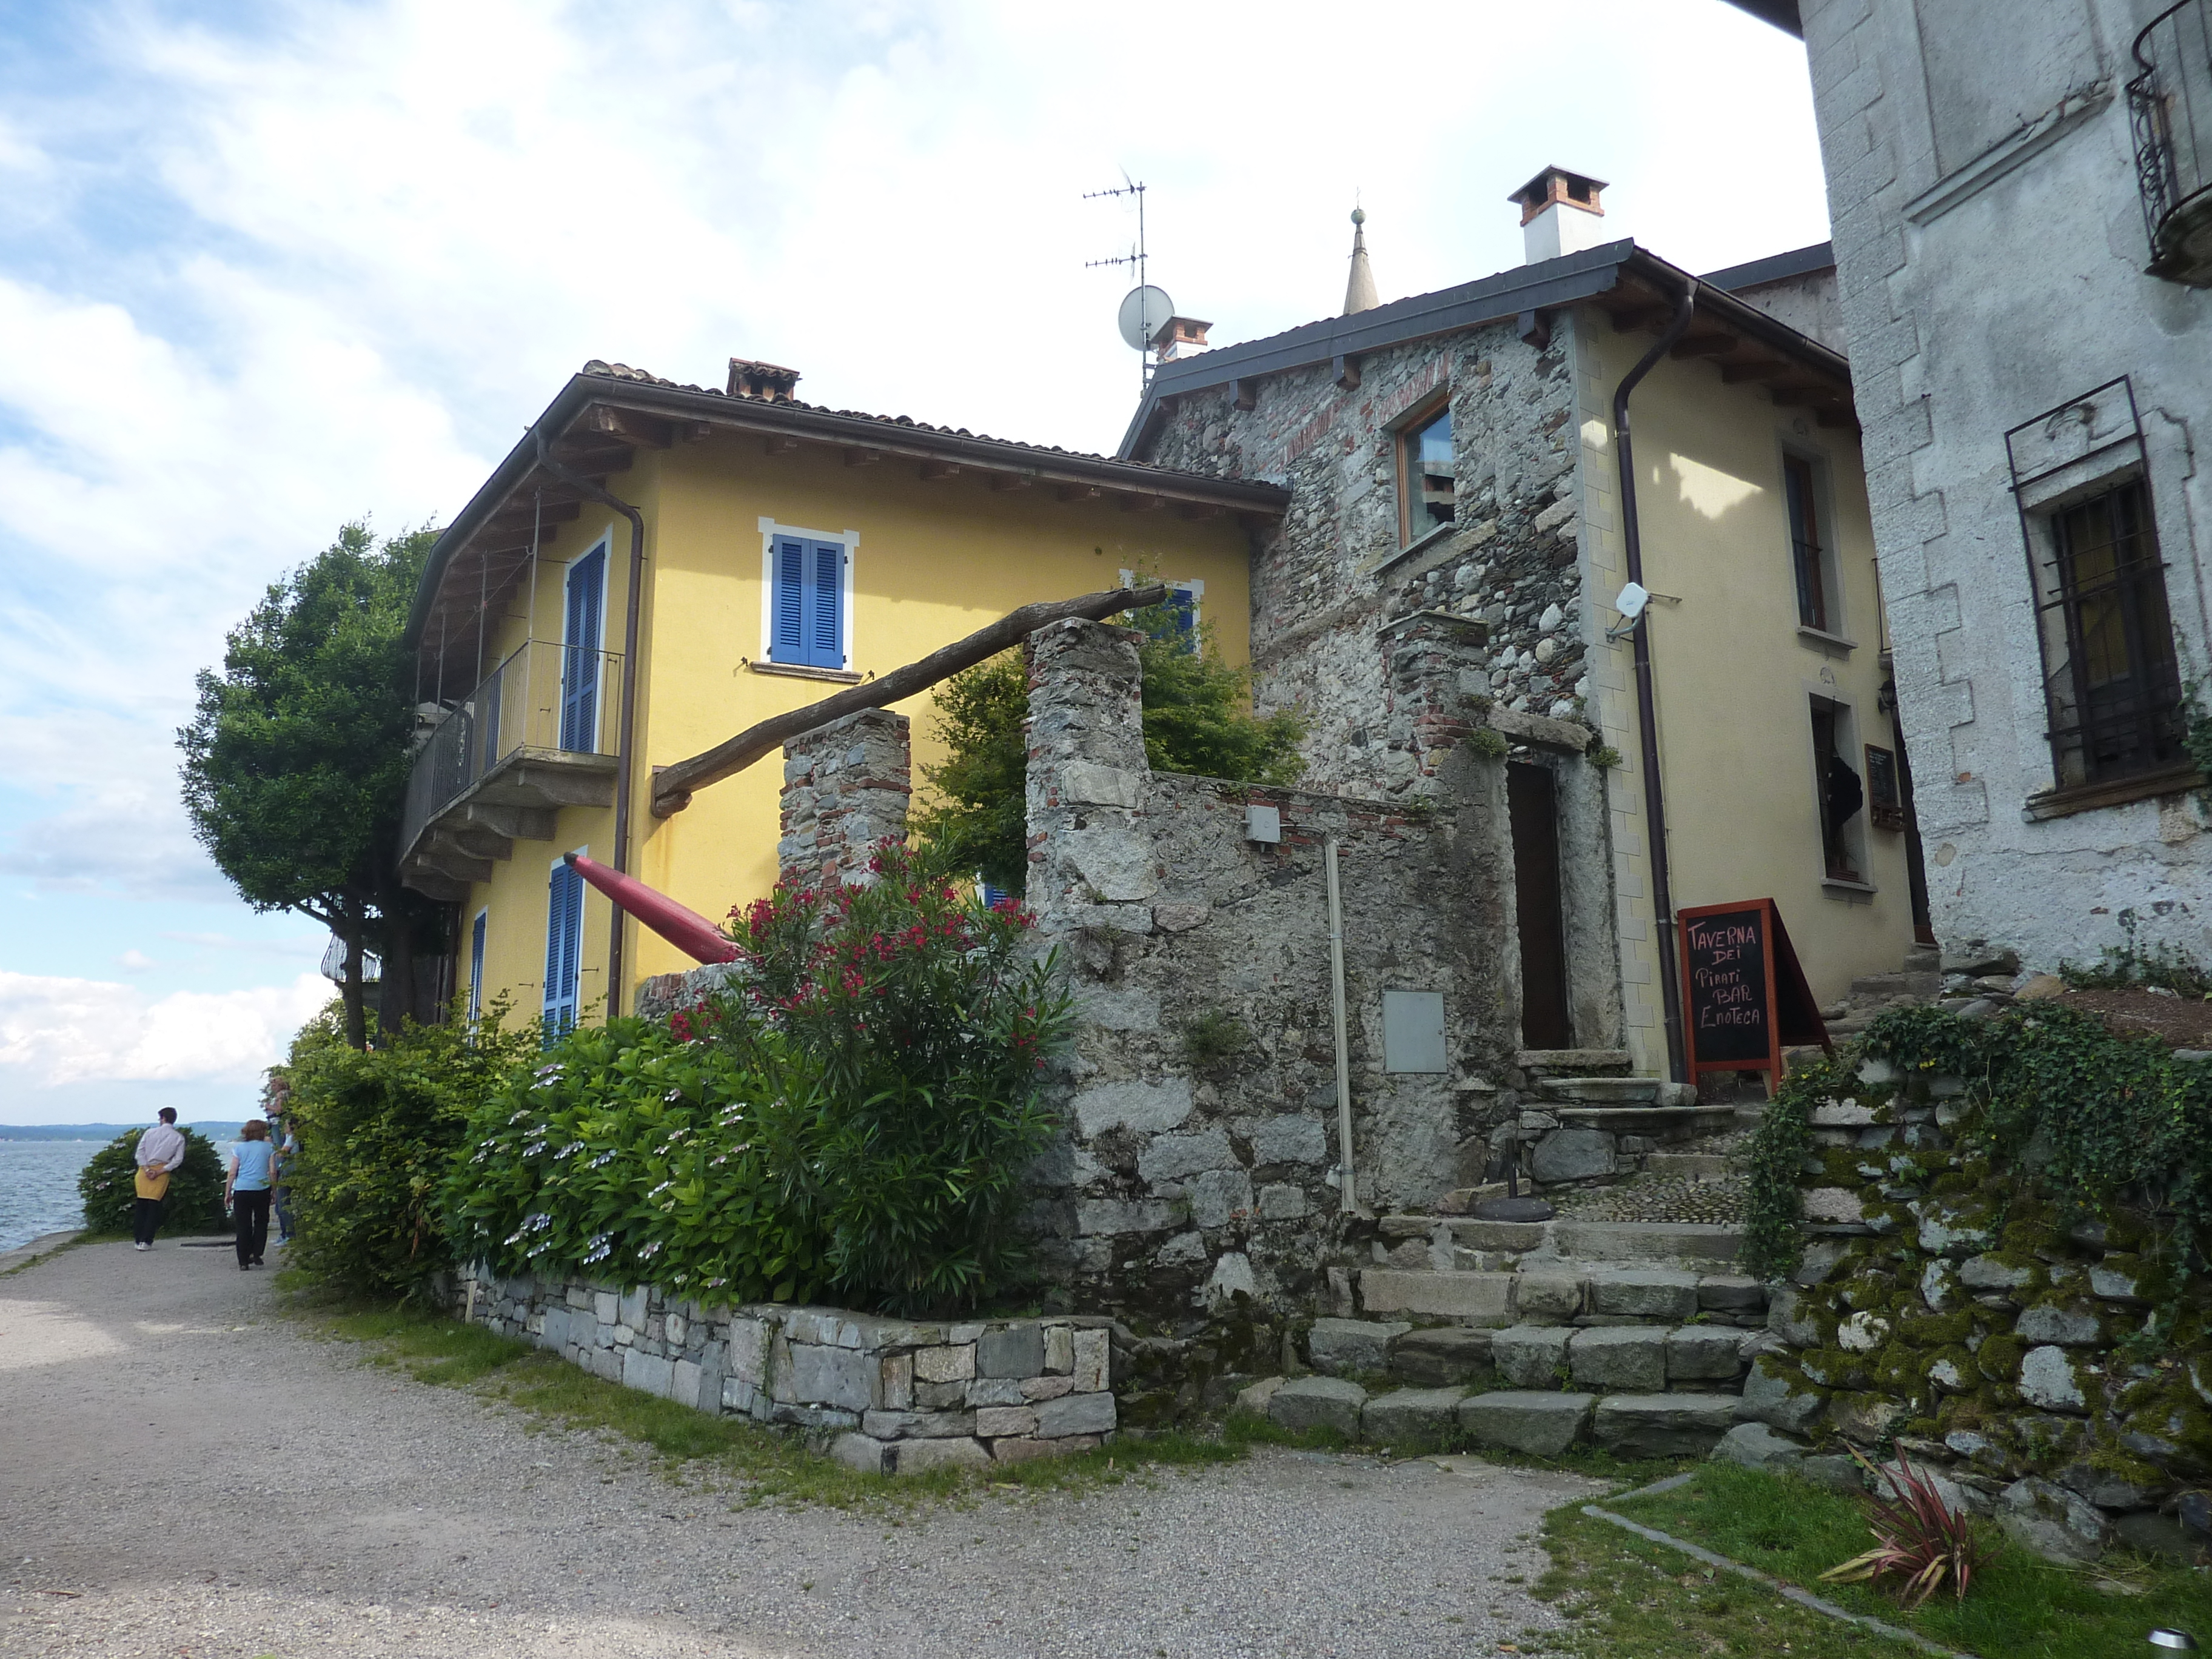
(1414, 1031)
(1263, 823)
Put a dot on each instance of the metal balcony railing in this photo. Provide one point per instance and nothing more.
(547, 696)
(2170, 112)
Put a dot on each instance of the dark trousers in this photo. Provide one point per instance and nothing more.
(251, 1212)
(145, 1217)
(283, 1207)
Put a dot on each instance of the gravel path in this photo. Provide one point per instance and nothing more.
(185, 1472)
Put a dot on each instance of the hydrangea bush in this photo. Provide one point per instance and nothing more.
(851, 1118)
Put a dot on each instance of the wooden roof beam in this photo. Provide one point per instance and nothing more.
(1760, 369)
(601, 420)
(1706, 345)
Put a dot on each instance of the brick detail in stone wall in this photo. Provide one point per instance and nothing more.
(847, 786)
(888, 1396)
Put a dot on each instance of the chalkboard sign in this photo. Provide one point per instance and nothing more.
(1744, 997)
(1885, 803)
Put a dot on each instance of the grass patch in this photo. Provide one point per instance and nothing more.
(754, 1465)
(1634, 1596)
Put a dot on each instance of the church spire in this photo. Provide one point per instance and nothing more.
(1359, 291)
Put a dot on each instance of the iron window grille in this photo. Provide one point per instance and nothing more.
(2111, 677)
(2170, 115)
(1807, 559)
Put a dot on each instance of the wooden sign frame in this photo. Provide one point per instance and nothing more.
(1793, 1018)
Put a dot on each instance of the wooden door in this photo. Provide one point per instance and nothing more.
(1532, 801)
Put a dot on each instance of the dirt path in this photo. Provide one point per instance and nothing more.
(185, 1472)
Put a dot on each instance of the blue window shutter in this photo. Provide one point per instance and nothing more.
(1183, 611)
(788, 606)
(564, 941)
(476, 966)
(579, 671)
(825, 638)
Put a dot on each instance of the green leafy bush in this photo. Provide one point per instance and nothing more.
(108, 1183)
(2163, 966)
(378, 1129)
(2117, 1123)
(1198, 720)
(852, 1120)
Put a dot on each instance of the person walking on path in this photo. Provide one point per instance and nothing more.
(253, 1162)
(286, 1147)
(160, 1149)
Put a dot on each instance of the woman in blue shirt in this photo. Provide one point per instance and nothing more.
(246, 1192)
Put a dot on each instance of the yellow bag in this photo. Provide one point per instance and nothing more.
(152, 1186)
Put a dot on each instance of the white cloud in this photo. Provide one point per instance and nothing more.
(134, 962)
(57, 1031)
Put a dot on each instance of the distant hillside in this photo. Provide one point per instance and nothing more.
(102, 1131)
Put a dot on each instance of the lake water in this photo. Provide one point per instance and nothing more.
(38, 1188)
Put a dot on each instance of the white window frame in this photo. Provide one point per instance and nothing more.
(770, 530)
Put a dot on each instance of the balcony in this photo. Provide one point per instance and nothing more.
(2170, 111)
(538, 734)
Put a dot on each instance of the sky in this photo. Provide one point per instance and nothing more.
(266, 268)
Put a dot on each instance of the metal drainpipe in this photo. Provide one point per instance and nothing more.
(620, 862)
(1348, 1186)
(1647, 716)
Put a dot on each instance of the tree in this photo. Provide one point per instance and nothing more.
(296, 760)
(1198, 720)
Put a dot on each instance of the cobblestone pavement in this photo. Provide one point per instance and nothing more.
(185, 1473)
(1716, 1200)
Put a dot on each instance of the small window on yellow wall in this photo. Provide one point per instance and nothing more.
(1428, 476)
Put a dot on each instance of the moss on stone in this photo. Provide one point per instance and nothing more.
(1832, 1368)
(1999, 1357)
(1938, 1330)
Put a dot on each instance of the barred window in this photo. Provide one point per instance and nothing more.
(2110, 675)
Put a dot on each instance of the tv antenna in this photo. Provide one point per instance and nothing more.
(1145, 309)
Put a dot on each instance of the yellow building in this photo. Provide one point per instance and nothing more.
(656, 567)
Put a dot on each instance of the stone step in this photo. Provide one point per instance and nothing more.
(1568, 1240)
(1924, 959)
(1538, 1422)
(1575, 1062)
(1677, 1122)
(1567, 1288)
(1603, 1090)
(1897, 985)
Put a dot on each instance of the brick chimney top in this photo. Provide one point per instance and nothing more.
(766, 381)
(1558, 184)
(1180, 337)
(1559, 214)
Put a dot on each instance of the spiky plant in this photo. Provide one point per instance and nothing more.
(1919, 1538)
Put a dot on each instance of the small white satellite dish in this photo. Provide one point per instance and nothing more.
(1633, 597)
(1144, 313)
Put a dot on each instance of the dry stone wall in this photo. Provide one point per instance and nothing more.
(1197, 1162)
(2008, 1351)
(887, 1396)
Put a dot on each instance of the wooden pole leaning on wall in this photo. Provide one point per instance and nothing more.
(674, 786)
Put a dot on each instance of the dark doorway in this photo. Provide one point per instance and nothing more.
(1532, 801)
(1916, 868)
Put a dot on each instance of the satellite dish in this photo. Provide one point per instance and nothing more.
(1144, 313)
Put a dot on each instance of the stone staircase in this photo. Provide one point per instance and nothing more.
(1920, 980)
(1634, 1335)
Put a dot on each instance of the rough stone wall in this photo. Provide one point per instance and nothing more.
(2007, 1351)
(890, 1397)
(1334, 573)
(1989, 242)
(847, 786)
(1200, 1100)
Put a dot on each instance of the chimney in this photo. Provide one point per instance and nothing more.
(765, 381)
(1180, 337)
(1559, 214)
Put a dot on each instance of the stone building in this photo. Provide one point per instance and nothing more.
(2020, 199)
(1445, 578)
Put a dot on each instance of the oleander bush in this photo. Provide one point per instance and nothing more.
(851, 1119)
(108, 1183)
